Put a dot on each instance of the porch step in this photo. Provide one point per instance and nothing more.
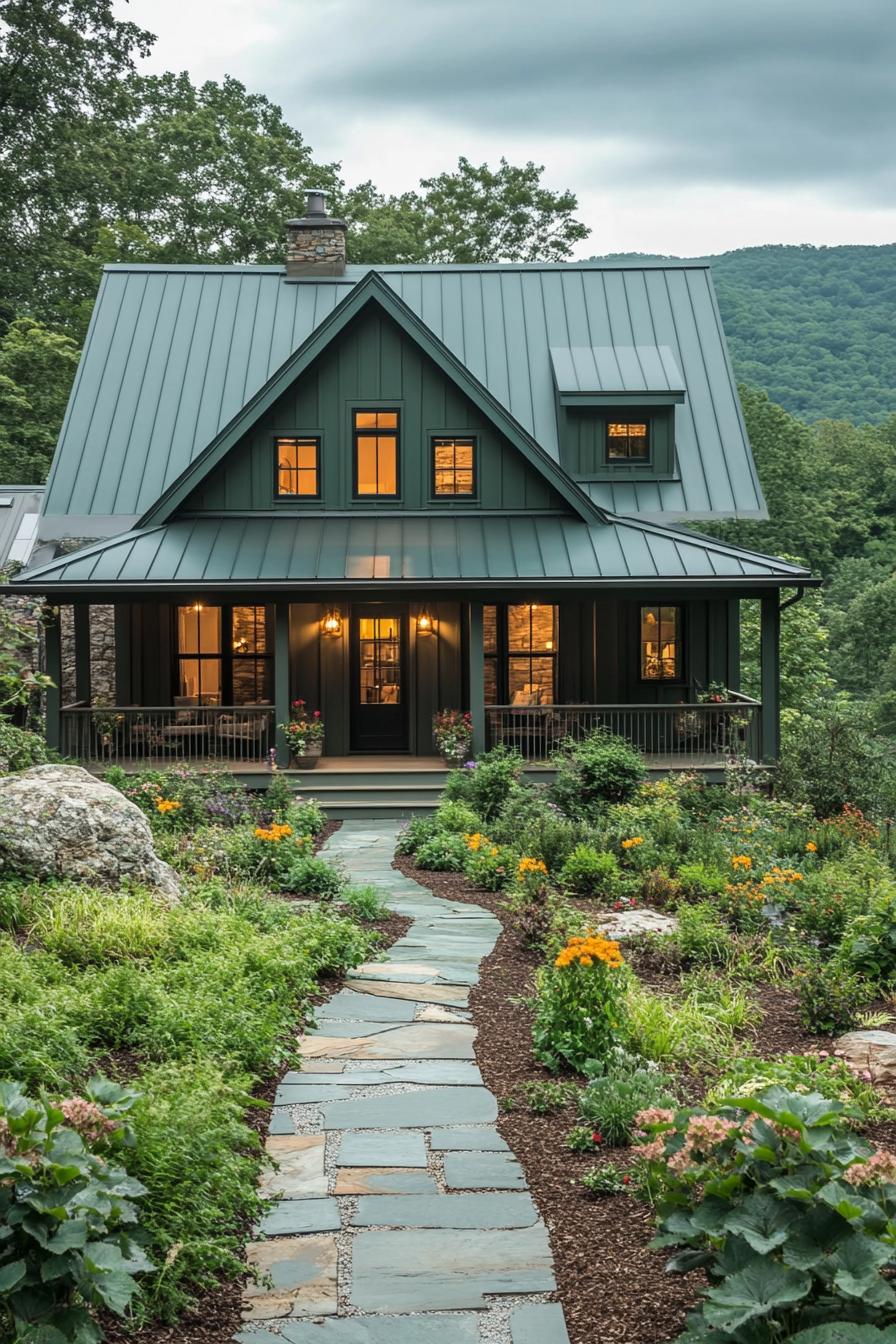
(372, 793)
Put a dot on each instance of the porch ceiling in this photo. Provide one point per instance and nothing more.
(460, 551)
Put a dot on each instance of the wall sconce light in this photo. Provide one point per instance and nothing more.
(197, 607)
(332, 623)
(425, 625)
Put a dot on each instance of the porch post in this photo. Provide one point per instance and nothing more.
(281, 677)
(53, 662)
(770, 674)
(732, 680)
(476, 671)
(82, 652)
(124, 680)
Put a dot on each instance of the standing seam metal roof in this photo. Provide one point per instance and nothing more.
(191, 552)
(174, 353)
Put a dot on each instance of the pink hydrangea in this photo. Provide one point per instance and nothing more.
(881, 1166)
(87, 1119)
(654, 1115)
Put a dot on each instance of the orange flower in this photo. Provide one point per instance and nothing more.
(585, 951)
(741, 861)
(632, 842)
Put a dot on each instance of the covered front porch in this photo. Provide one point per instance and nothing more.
(208, 681)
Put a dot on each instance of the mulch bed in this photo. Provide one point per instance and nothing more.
(613, 1288)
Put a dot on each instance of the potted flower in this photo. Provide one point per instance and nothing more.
(452, 733)
(304, 735)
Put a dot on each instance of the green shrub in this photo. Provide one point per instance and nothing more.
(831, 756)
(587, 872)
(67, 1214)
(443, 853)
(606, 1179)
(20, 749)
(830, 997)
(598, 770)
(702, 937)
(579, 1004)
(489, 866)
(789, 1213)
(821, 1073)
(486, 783)
(699, 1029)
(869, 948)
(365, 904)
(456, 816)
(199, 1162)
(307, 875)
(700, 882)
(417, 831)
(613, 1098)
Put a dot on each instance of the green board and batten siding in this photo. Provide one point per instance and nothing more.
(372, 364)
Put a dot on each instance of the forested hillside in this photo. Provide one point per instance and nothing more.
(813, 326)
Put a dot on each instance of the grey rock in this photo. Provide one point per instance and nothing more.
(483, 1171)
(538, 1323)
(61, 821)
(473, 1211)
(371, 1149)
(414, 1110)
(447, 1269)
(467, 1140)
(292, 1217)
(873, 1052)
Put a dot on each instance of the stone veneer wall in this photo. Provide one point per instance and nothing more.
(315, 250)
(102, 654)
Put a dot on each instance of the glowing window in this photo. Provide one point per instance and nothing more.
(661, 643)
(628, 440)
(520, 646)
(376, 453)
(298, 468)
(454, 467)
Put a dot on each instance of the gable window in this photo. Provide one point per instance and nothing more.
(520, 646)
(376, 453)
(661, 644)
(628, 441)
(298, 468)
(454, 467)
(223, 655)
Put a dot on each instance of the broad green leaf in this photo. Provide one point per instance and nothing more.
(843, 1332)
(762, 1220)
(116, 1290)
(72, 1236)
(819, 1231)
(755, 1291)
(12, 1274)
(687, 1260)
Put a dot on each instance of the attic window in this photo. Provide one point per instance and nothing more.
(376, 453)
(628, 441)
(298, 468)
(454, 467)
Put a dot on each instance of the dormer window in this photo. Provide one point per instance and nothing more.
(628, 441)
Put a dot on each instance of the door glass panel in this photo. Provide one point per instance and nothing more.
(379, 648)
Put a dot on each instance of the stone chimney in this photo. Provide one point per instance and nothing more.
(315, 244)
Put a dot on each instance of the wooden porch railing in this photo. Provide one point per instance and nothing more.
(158, 735)
(694, 733)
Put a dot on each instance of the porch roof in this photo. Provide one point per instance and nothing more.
(412, 551)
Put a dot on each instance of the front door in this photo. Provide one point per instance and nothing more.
(379, 718)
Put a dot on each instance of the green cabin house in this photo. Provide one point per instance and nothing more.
(391, 490)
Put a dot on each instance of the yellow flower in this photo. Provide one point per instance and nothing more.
(811, 847)
(527, 865)
(475, 841)
(741, 861)
(274, 833)
(586, 951)
(164, 805)
(631, 843)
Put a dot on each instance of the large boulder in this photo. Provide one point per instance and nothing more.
(61, 821)
(871, 1052)
(629, 923)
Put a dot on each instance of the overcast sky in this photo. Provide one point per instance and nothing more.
(684, 126)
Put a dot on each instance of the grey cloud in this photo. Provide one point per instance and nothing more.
(773, 91)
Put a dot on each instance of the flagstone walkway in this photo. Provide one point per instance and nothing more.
(401, 1215)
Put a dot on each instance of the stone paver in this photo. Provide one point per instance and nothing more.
(483, 1171)
(371, 1140)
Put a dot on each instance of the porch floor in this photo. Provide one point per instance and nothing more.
(657, 763)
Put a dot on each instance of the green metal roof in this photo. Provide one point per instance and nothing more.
(458, 551)
(616, 369)
(174, 353)
(19, 510)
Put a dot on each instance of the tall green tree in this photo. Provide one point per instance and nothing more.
(64, 86)
(36, 371)
(473, 215)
